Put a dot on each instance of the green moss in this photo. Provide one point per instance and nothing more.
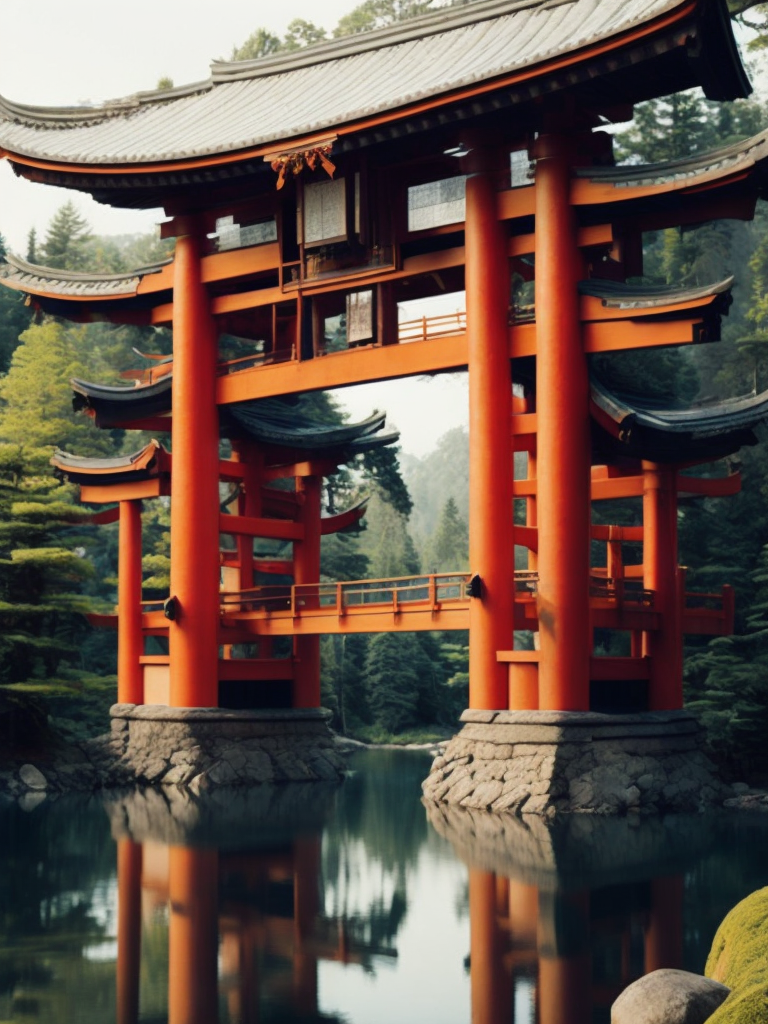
(739, 959)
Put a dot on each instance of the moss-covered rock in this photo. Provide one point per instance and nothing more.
(739, 959)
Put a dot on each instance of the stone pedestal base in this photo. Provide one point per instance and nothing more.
(203, 747)
(544, 762)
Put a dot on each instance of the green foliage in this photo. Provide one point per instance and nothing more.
(392, 681)
(259, 43)
(374, 14)
(739, 959)
(67, 239)
(36, 397)
(302, 33)
(449, 547)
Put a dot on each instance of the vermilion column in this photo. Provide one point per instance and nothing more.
(306, 569)
(130, 640)
(491, 998)
(195, 488)
(128, 930)
(491, 546)
(193, 936)
(661, 575)
(563, 442)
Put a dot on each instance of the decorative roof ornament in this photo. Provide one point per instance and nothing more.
(293, 161)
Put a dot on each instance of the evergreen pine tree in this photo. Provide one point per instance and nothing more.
(449, 549)
(67, 239)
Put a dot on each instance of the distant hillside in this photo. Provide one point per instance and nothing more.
(433, 479)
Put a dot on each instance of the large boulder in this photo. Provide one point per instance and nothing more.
(739, 959)
(669, 997)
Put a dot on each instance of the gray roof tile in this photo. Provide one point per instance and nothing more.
(257, 103)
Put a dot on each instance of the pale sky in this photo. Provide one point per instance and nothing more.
(60, 52)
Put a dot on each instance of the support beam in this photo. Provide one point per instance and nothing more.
(491, 545)
(195, 504)
(563, 442)
(130, 639)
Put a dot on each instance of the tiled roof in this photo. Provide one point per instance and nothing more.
(257, 103)
(28, 277)
(618, 295)
(739, 155)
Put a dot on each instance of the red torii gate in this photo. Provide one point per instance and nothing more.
(285, 261)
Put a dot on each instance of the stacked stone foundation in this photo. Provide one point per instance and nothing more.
(526, 762)
(200, 748)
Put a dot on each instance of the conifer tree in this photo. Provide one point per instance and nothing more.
(449, 549)
(67, 239)
(14, 318)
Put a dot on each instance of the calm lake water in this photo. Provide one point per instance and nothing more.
(350, 904)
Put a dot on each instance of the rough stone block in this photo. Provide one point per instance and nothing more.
(668, 997)
(484, 794)
(32, 777)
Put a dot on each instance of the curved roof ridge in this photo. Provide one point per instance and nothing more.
(451, 16)
(88, 114)
(618, 293)
(681, 167)
(82, 276)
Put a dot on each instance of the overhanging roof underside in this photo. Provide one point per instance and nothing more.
(252, 104)
(272, 421)
(709, 431)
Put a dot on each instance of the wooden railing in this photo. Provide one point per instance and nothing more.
(425, 327)
(433, 589)
(620, 589)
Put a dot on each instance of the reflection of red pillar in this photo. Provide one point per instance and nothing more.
(306, 906)
(306, 569)
(491, 998)
(565, 965)
(664, 935)
(563, 442)
(662, 576)
(195, 488)
(130, 640)
(128, 930)
(193, 937)
(491, 546)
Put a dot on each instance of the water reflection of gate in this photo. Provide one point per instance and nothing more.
(563, 957)
(227, 912)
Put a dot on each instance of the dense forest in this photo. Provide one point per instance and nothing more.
(54, 565)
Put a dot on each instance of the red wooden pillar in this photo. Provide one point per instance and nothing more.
(563, 441)
(129, 857)
(130, 639)
(193, 936)
(306, 569)
(491, 545)
(195, 488)
(662, 575)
